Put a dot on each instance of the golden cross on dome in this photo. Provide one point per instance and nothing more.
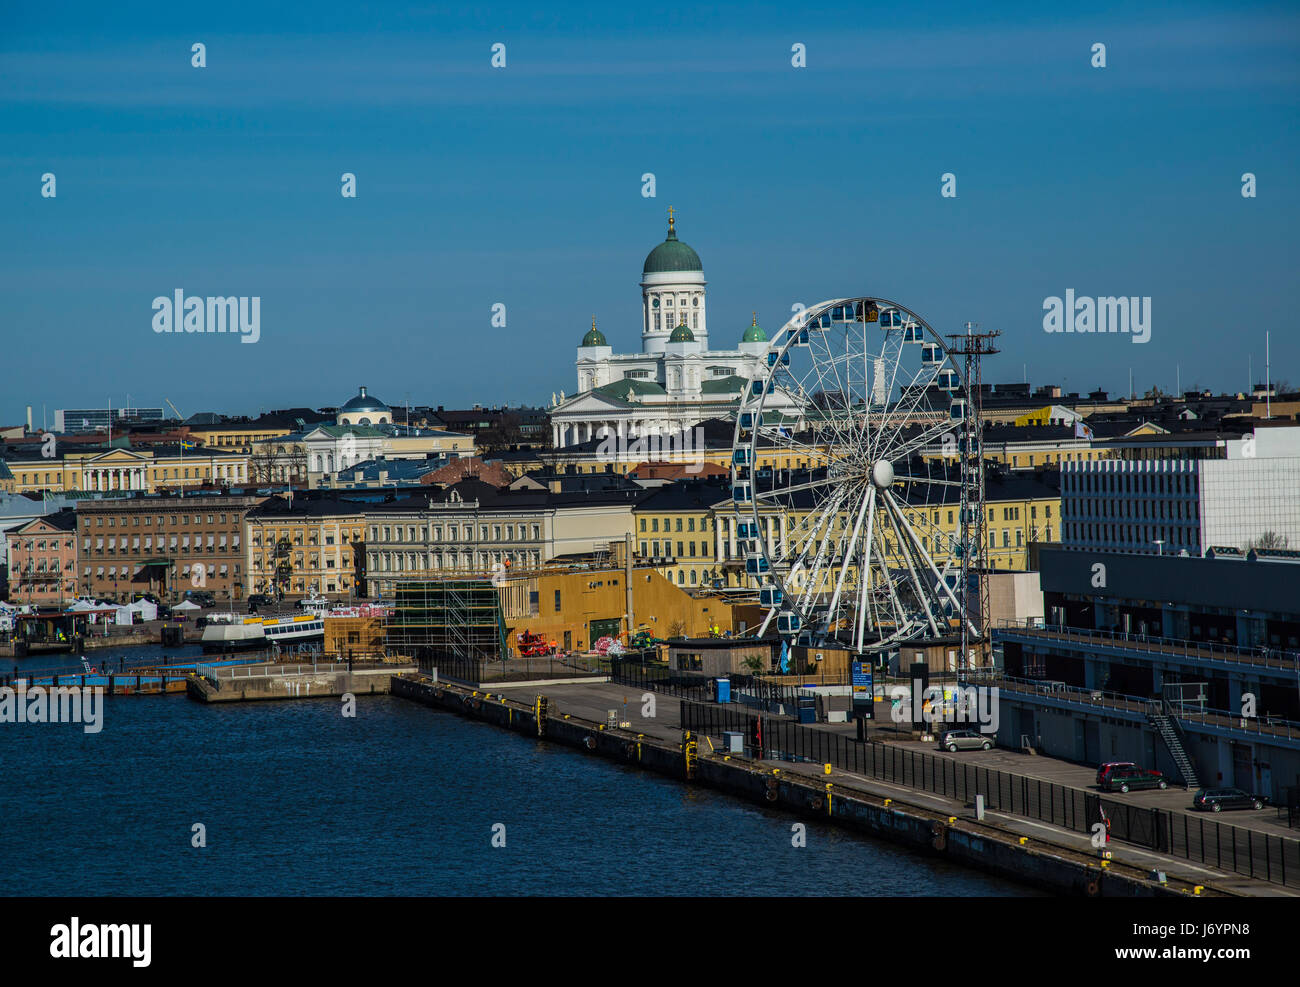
(670, 217)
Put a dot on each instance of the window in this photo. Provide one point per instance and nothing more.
(557, 601)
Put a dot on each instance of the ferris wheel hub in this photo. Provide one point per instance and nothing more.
(882, 474)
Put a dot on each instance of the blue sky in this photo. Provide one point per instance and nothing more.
(522, 186)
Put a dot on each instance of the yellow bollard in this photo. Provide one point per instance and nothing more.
(1198, 889)
(828, 769)
(951, 820)
(887, 802)
(1024, 840)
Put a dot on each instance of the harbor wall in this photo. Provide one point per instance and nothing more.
(306, 683)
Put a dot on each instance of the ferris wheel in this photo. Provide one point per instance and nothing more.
(852, 507)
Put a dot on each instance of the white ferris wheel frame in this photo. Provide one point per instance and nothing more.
(802, 615)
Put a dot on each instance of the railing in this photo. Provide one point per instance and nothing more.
(278, 671)
(1275, 859)
(1263, 725)
(1154, 644)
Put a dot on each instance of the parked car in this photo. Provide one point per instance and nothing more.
(1122, 779)
(202, 598)
(964, 740)
(1218, 799)
(258, 600)
(1110, 766)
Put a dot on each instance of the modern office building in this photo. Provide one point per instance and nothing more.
(1174, 495)
(77, 420)
(1188, 664)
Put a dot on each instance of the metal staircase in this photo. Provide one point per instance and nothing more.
(1158, 716)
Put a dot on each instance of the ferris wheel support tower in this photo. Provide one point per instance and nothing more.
(972, 346)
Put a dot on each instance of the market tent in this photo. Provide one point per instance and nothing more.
(146, 610)
(186, 606)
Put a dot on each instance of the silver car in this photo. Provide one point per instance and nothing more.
(964, 740)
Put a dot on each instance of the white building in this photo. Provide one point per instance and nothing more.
(1172, 505)
(676, 381)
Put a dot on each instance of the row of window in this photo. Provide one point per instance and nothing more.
(313, 561)
(135, 520)
(1122, 483)
(1128, 507)
(417, 562)
(122, 572)
(214, 543)
(454, 532)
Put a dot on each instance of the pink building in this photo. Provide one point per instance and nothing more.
(43, 559)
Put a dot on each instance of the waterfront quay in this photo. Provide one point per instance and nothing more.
(270, 681)
(605, 719)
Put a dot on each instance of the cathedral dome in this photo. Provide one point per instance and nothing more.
(364, 402)
(755, 333)
(594, 336)
(682, 335)
(364, 410)
(672, 255)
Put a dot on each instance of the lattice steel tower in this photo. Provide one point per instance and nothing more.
(972, 346)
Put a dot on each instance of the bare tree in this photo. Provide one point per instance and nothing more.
(1268, 540)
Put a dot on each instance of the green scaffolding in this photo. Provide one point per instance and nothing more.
(458, 618)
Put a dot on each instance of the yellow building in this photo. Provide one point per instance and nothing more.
(236, 437)
(147, 469)
(575, 608)
(302, 546)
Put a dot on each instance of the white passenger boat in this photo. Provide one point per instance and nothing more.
(232, 632)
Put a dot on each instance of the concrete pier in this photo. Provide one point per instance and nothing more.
(248, 683)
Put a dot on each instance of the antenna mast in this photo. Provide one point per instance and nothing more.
(973, 346)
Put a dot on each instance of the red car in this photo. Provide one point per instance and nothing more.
(1109, 766)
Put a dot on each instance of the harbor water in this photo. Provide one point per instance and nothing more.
(294, 798)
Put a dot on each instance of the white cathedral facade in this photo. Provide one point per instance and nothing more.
(676, 381)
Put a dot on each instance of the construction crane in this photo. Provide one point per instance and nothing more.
(179, 418)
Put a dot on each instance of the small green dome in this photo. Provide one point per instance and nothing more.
(594, 336)
(754, 334)
(682, 335)
(671, 255)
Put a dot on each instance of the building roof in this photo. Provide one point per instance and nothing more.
(364, 402)
(304, 507)
(672, 255)
(623, 389)
(464, 468)
(755, 333)
(64, 520)
(594, 336)
(677, 471)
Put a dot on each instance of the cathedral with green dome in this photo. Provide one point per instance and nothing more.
(676, 365)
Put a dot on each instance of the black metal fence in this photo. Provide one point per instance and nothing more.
(1222, 845)
(684, 685)
(467, 668)
(746, 690)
